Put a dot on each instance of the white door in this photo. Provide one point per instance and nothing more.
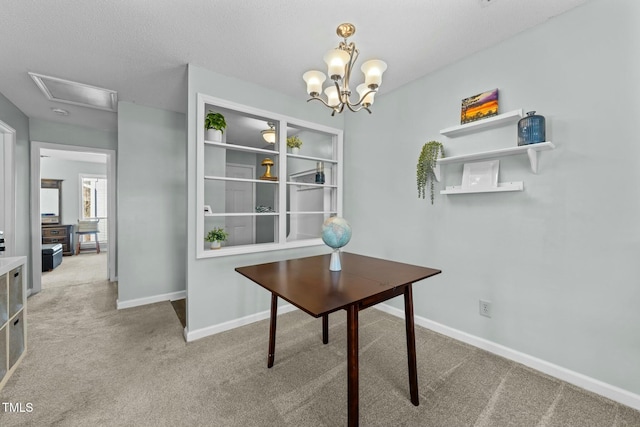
(239, 198)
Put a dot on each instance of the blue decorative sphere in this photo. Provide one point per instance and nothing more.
(336, 232)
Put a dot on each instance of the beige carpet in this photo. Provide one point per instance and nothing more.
(76, 270)
(91, 365)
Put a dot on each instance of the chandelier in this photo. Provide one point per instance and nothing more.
(340, 63)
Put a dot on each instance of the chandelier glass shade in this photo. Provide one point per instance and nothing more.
(340, 62)
(269, 135)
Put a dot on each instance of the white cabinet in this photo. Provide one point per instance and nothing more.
(531, 150)
(13, 328)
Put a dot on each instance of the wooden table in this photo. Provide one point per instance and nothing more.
(308, 284)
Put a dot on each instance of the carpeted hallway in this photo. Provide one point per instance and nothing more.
(91, 365)
(87, 267)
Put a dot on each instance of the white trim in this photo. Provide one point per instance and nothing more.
(591, 384)
(235, 323)
(170, 296)
(8, 145)
(36, 229)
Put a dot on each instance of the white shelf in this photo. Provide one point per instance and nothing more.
(491, 122)
(502, 187)
(241, 148)
(310, 184)
(311, 212)
(316, 159)
(531, 150)
(226, 178)
(242, 214)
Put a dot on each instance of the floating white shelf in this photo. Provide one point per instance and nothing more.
(491, 122)
(531, 150)
(502, 186)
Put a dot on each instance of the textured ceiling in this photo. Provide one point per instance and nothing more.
(140, 47)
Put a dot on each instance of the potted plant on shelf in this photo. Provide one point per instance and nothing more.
(425, 175)
(216, 236)
(214, 125)
(294, 143)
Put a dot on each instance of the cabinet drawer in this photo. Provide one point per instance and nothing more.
(49, 240)
(54, 232)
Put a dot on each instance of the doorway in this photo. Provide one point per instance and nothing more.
(69, 164)
(7, 189)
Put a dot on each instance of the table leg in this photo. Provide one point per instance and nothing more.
(325, 329)
(411, 345)
(272, 330)
(352, 366)
(97, 244)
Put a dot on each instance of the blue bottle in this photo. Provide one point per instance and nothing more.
(319, 173)
(531, 129)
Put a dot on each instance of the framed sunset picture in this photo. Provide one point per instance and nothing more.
(479, 106)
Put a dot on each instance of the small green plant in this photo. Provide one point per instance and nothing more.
(215, 121)
(425, 175)
(217, 234)
(294, 142)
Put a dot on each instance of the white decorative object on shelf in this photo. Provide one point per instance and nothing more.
(480, 174)
(491, 122)
(531, 150)
(502, 186)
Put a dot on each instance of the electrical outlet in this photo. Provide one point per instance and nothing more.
(485, 308)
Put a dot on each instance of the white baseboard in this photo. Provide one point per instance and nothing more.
(171, 296)
(591, 384)
(235, 323)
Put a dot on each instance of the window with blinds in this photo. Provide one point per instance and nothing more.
(94, 203)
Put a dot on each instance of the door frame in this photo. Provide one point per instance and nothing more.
(36, 226)
(8, 146)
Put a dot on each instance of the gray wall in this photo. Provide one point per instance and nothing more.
(215, 292)
(69, 171)
(558, 260)
(60, 133)
(151, 202)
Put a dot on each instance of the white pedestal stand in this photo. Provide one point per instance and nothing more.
(335, 261)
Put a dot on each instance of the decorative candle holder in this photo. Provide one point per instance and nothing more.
(267, 162)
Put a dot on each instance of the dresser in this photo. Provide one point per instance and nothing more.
(62, 234)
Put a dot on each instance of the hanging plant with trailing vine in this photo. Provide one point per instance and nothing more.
(431, 151)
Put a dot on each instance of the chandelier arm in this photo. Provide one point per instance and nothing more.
(321, 100)
(361, 107)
